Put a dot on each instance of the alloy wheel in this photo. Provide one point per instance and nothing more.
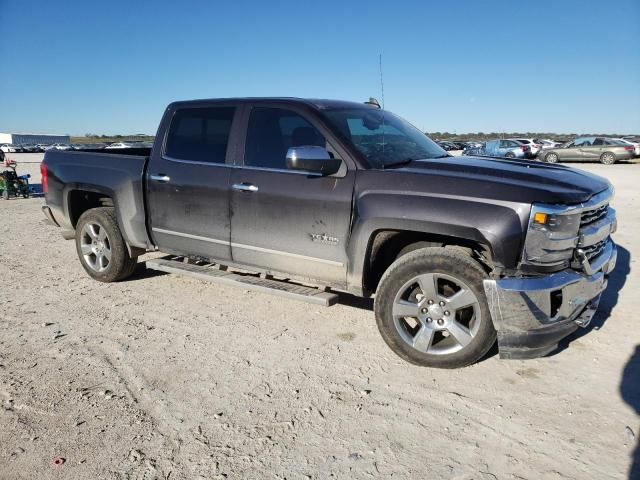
(95, 246)
(436, 313)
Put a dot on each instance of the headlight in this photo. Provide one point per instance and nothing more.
(552, 235)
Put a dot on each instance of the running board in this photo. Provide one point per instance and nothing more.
(210, 273)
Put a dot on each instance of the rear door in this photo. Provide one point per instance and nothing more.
(285, 220)
(188, 182)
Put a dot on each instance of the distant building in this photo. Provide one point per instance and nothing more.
(18, 138)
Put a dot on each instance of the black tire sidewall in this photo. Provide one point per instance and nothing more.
(121, 264)
(434, 260)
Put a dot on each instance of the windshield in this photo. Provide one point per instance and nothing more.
(383, 138)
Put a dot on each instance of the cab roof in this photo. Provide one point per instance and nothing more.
(320, 104)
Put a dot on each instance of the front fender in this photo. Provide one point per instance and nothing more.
(498, 225)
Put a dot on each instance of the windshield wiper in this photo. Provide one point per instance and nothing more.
(443, 156)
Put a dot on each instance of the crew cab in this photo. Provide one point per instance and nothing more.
(318, 196)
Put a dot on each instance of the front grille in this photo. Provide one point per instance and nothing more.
(592, 251)
(590, 216)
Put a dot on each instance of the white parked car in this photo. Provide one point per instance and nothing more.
(545, 144)
(635, 145)
(535, 147)
(58, 146)
(118, 145)
(7, 148)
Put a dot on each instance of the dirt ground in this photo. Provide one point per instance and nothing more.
(167, 377)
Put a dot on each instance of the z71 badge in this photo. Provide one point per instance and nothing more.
(324, 238)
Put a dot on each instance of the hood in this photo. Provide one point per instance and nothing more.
(506, 179)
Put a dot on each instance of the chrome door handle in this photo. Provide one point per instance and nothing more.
(245, 187)
(160, 178)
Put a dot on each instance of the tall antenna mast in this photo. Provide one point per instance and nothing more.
(381, 80)
(382, 92)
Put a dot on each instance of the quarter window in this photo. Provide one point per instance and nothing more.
(272, 131)
(200, 134)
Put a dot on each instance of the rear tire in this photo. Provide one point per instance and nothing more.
(452, 336)
(101, 248)
(607, 158)
(551, 158)
(509, 155)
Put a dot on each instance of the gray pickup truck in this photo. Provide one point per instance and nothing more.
(304, 198)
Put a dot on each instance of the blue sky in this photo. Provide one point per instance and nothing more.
(464, 66)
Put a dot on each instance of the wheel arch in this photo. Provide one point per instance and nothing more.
(81, 198)
(387, 245)
(609, 152)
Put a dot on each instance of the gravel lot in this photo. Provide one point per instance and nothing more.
(166, 377)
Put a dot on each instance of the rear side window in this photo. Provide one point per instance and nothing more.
(200, 134)
(272, 131)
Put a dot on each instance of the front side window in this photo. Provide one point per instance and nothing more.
(381, 137)
(200, 134)
(583, 142)
(272, 131)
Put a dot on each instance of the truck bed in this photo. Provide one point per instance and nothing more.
(140, 152)
(117, 174)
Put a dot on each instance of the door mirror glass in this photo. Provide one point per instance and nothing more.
(312, 159)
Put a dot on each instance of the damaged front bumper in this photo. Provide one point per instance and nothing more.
(531, 315)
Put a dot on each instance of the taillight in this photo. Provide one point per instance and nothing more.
(45, 177)
(629, 148)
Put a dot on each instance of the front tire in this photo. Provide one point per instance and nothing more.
(551, 158)
(608, 158)
(101, 248)
(431, 308)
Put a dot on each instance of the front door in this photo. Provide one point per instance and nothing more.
(286, 220)
(592, 153)
(188, 184)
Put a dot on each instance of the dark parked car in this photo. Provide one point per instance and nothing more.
(28, 148)
(458, 251)
(447, 146)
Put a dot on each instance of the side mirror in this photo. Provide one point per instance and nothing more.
(312, 159)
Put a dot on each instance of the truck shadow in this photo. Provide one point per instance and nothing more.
(355, 302)
(630, 392)
(142, 273)
(608, 301)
